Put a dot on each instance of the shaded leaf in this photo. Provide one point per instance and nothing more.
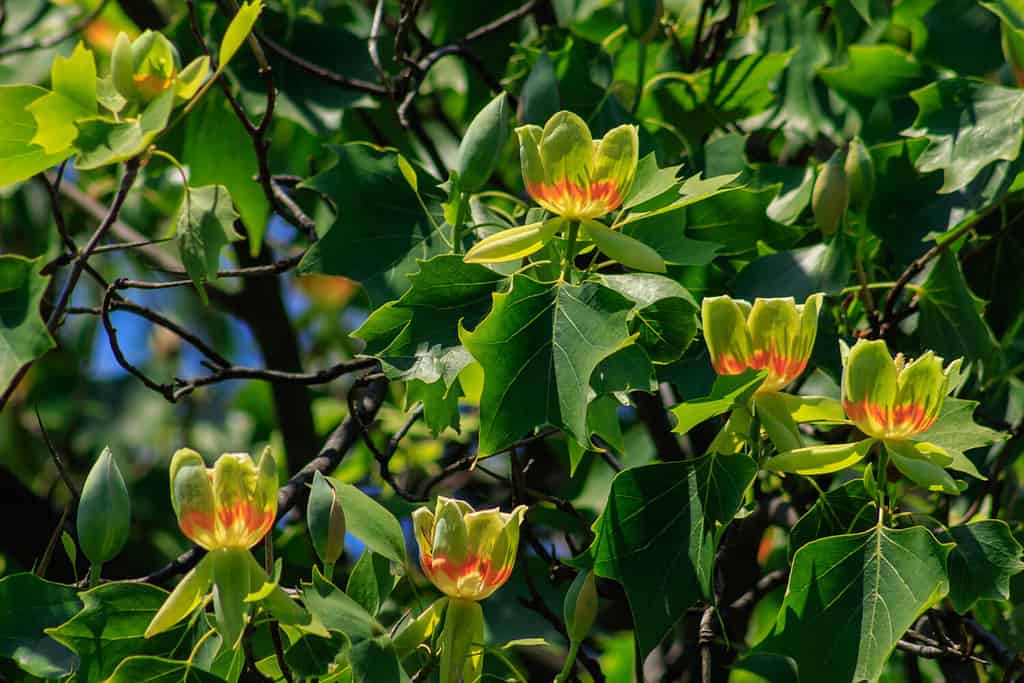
(845, 509)
(980, 566)
(28, 606)
(370, 522)
(144, 669)
(205, 225)
(23, 334)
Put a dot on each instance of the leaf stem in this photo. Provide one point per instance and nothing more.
(570, 660)
(570, 251)
(94, 574)
(460, 217)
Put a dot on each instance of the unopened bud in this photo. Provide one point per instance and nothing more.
(104, 512)
(860, 170)
(581, 606)
(831, 195)
(483, 143)
(642, 18)
(326, 520)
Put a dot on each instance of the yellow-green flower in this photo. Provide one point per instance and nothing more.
(572, 175)
(467, 554)
(889, 398)
(776, 335)
(144, 68)
(230, 505)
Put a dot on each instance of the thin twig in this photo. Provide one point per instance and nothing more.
(61, 468)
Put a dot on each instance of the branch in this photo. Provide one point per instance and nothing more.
(44, 43)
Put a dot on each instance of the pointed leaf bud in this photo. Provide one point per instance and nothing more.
(326, 520)
(831, 195)
(581, 606)
(860, 170)
(481, 147)
(105, 511)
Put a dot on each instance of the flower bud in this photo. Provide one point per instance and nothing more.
(481, 147)
(642, 18)
(831, 195)
(326, 520)
(468, 555)
(572, 175)
(581, 606)
(104, 512)
(860, 171)
(776, 335)
(888, 398)
(144, 68)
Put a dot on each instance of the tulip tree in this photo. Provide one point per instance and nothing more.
(391, 341)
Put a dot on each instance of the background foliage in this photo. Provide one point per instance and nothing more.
(282, 272)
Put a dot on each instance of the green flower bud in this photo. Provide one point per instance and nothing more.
(860, 170)
(480, 149)
(581, 606)
(326, 520)
(831, 195)
(105, 511)
(642, 18)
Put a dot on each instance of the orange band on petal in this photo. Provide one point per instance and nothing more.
(729, 365)
(783, 370)
(885, 423)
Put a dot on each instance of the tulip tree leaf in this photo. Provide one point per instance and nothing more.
(980, 566)
(312, 656)
(956, 430)
(28, 606)
(73, 97)
(370, 522)
(20, 158)
(656, 534)
(852, 597)
(240, 26)
(381, 223)
(951, 317)
(539, 346)
(798, 273)
(969, 124)
(843, 510)
(337, 611)
(146, 669)
(102, 140)
(875, 72)
(727, 392)
(371, 581)
(665, 317)
(650, 182)
(23, 334)
(375, 660)
(205, 226)
(110, 626)
(416, 337)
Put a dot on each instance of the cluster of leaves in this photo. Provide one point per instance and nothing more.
(308, 191)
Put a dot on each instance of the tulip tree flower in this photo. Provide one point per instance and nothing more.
(226, 509)
(578, 180)
(774, 335)
(144, 68)
(467, 555)
(895, 403)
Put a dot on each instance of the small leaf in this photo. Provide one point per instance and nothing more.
(144, 669)
(371, 581)
(627, 250)
(370, 522)
(102, 141)
(73, 97)
(727, 392)
(206, 224)
(23, 334)
(240, 27)
(337, 611)
(985, 557)
(312, 656)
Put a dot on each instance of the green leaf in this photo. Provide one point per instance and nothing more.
(955, 429)
(821, 459)
(381, 222)
(846, 509)
(619, 246)
(980, 566)
(798, 273)
(416, 337)
(146, 669)
(205, 225)
(110, 625)
(851, 598)
(240, 27)
(337, 611)
(102, 141)
(875, 72)
(23, 334)
(312, 656)
(539, 346)
(375, 660)
(727, 392)
(651, 181)
(539, 100)
(440, 403)
(656, 534)
(28, 606)
(370, 522)
(371, 581)
(665, 314)
(661, 230)
(73, 97)
(19, 157)
(212, 134)
(951, 317)
(969, 124)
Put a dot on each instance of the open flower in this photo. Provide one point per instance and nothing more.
(889, 398)
(468, 555)
(230, 505)
(572, 175)
(774, 335)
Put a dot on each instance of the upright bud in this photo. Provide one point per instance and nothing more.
(104, 513)
(480, 149)
(642, 18)
(831, 195)
(860, 170)
(326, 520)
(581, 606)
